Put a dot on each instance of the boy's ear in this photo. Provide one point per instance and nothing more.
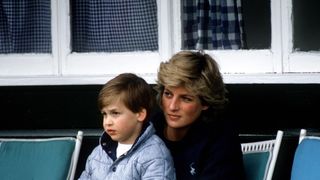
(141, 116)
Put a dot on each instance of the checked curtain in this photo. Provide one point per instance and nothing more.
(119, 25)
(25, 26)
(212, 24)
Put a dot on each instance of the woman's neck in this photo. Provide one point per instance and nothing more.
(175, 134)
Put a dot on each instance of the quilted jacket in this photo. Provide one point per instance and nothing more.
(147, 159)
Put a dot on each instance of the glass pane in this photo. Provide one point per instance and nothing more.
(25, 26)
(257, 23)
(210, 24)
(306, 25)
(252, 17)
(114, 26)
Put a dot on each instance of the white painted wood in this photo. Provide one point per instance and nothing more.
(165, 37)
(176, 26)
(248, 78)
(91, 64)
(243, 61)
(279, 64)
(32, 64)
(113, 63)
(276, 34)
(15, 65)
(64, 38)
(286, 13)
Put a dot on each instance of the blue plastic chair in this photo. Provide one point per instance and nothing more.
(39, 159)
(306, 162)
(260, 157)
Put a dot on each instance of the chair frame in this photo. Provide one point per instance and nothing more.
(303, 134)
(75, 154)
(263, 146)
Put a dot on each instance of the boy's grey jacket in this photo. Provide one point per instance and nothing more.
(147, 159)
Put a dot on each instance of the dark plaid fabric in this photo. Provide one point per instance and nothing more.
(212, 24)
(114, 25)
(25, 26)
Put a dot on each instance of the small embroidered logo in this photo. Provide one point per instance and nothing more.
(192, 169)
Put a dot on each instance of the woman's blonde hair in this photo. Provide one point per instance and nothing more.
(197, 72)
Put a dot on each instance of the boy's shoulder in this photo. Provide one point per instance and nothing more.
(153, 149)
(153, 145)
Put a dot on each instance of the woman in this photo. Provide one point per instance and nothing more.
(191, 94)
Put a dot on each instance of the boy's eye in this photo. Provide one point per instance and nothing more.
(114, 113)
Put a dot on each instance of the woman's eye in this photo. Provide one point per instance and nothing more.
(167, 94)
(187, 99)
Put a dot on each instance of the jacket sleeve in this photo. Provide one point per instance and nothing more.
(158, 169)
(85, 175)
(88, 172)
(156, 163)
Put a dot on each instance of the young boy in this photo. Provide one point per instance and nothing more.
(129, 148)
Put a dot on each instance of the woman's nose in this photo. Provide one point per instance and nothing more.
(174, 105)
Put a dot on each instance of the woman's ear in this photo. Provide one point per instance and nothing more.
(205, 107)
(141, 116)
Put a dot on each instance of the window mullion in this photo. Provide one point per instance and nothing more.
(165, 23)
(286, 26)
(55, 36)
(276, 34)
(176, 24)
(64, 34)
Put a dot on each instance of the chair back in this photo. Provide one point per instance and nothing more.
(39, 159)
(306, 162)
(260, 157)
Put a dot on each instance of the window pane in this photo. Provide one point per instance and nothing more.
(210, 24)
(25, 26)
(306, 25)
(257, 23)
(114, 26)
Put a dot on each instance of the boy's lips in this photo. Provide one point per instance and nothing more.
(111, 131)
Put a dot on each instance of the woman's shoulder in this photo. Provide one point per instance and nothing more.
(215, 132)
(157, 119)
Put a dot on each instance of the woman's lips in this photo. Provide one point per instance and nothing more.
(173, 117)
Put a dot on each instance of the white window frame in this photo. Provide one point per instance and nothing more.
(279, 64)
(296, 61)
(16, 66)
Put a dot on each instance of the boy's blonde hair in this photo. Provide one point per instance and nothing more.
(133, 91)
